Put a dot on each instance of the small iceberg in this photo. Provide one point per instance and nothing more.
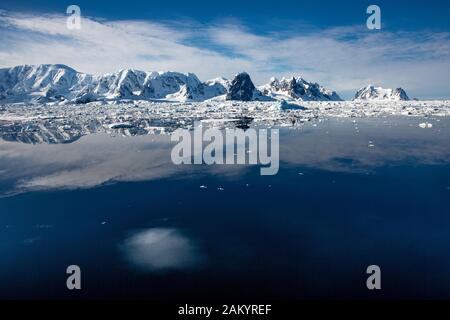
(121, 125)
(425, 125)
(284, 105)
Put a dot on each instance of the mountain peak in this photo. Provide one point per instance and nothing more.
(296, 88)
(241, 88)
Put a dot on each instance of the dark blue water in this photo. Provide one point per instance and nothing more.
(335, 207)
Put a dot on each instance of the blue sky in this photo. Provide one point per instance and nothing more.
(323, 41)
(261, 14)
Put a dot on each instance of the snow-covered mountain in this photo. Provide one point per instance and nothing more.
(61, 84)
(242, 88)
(41, 83)
(377, 93)
(298, 89)
(52, 83)
(216, 87)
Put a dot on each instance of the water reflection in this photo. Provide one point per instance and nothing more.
(160, 249)
(335, 145)
(348, 194)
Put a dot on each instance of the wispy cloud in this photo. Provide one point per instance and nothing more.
(342, 58)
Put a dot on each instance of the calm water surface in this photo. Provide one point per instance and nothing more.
(348, 195)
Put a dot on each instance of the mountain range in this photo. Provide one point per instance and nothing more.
(61, 84)
(50, 83)
(57, 83)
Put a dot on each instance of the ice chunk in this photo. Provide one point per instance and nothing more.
(425, 125)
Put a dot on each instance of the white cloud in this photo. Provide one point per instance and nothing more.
(348, 58)
(342, 58)
(102, 46)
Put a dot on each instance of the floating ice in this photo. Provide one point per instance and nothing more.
(290, 106)
(50, 123)
(425, 125)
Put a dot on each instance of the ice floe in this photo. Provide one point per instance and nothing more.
(48, 123)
